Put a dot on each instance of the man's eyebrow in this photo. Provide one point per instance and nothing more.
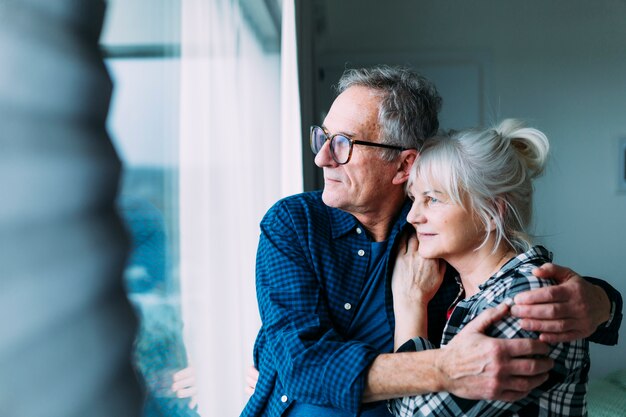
(348, 134)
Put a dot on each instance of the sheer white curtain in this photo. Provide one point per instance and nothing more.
(238, 155)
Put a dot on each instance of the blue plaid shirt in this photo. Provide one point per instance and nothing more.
(311, 268)
(310, 272)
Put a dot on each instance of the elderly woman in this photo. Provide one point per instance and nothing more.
(472, 203)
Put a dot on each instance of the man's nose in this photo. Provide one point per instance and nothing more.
(324, 158)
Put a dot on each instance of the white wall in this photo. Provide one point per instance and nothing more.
(560, 65)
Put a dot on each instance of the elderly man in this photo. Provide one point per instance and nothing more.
(323, 270)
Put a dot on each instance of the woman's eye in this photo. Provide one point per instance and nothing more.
(432, 200)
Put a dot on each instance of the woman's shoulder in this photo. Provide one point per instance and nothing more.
(520, 276)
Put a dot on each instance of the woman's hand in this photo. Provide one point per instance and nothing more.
(414, 282)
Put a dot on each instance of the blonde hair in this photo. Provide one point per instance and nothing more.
(490, 173)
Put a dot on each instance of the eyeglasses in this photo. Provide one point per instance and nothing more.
(341, 145)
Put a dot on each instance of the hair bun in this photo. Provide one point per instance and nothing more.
(530, 144)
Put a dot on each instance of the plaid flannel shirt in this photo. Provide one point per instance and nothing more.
(563, 394)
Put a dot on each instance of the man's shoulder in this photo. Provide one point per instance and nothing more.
(298, 209)
(298, 203)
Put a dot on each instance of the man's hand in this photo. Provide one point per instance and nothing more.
(565, 312)
(252, 377)
(185, 385)
(476, 366)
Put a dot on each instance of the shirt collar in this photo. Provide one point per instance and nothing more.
(343, 222)
(536, 253)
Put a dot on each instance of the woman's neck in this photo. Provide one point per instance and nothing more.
(478, 266)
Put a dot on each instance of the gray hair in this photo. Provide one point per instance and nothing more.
(489, 172)
(409, 106)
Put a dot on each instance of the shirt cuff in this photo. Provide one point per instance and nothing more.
(608, 332)
(417, 344)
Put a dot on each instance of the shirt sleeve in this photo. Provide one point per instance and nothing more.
(567, 357)
(315, 364)
(608, 333)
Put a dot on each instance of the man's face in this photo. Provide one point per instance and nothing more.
(359, 186)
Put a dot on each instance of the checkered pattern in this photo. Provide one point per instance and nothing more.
(308, 271)
(564, 392)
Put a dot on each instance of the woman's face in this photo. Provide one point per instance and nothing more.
(444, 229)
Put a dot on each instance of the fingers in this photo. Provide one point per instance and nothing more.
(252, 374)
(252, 377)
(193, 402)
(185, 373)
(521, 387)
(488, 317)
(553, 271)
(535, 312)
(550, 326)
(561, 336)
(552, 294)
(187, 392)
(529, 367)
(516, 348)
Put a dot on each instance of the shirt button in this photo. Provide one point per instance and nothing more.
(284, 398)
(347, 306)
(358, 231)
(361, 252)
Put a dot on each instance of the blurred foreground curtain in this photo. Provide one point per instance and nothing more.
(238, 155)
(66, 326)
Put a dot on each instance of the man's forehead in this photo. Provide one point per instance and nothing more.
(354, 112)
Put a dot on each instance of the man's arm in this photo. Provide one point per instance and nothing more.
(315, 364)
(576, 308)
(472, 366)
(570, 357)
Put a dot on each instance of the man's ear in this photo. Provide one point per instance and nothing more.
(404, 164)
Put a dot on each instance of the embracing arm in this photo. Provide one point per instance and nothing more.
(472, 366)
(576, 308)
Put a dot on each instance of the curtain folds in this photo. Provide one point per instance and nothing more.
(238, 155)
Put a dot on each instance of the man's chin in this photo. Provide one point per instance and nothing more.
(330, 198)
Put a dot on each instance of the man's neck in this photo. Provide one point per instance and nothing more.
(378, 223)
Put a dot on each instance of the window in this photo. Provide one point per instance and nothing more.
(196, 118)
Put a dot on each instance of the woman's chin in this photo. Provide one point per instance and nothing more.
(428, 254)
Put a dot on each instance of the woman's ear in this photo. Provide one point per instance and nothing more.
(405, 162)
(501, 209)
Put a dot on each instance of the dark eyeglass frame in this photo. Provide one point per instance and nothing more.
(352, 142)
